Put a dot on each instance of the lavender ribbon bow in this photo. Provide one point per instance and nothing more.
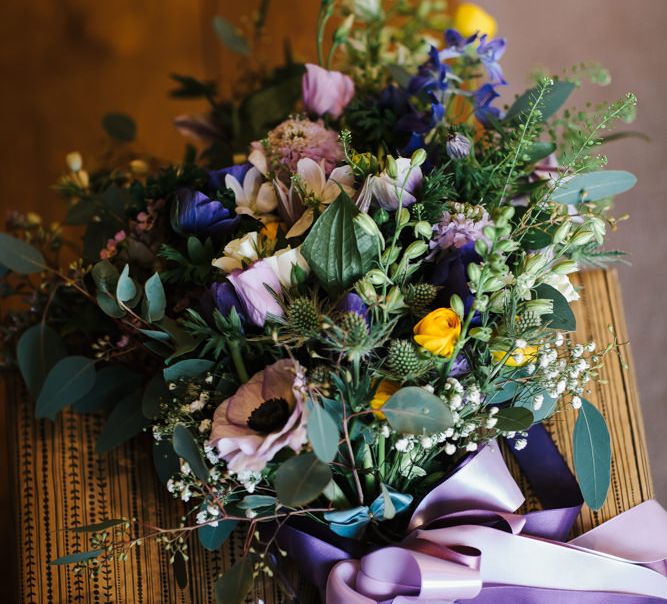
(467, 544)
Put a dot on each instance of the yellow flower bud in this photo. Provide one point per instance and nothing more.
(470, 18)
(439, 331)
(385, 390)
(519, 356)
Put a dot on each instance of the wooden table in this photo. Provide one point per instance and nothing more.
(58, 481)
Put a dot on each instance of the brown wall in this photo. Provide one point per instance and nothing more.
(64, 63)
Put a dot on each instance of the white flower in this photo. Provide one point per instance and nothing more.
(238, 252)
(520, 443)
(520, 344)
(563, 284)
(254, 197)
(313, 188)
(426, 442)
(385, 431)
(403, 445)
(471, 447)
(491, 422)
(560, 339)
(205, 426)
(576, 402)
(197, 405)
(450, 449)
(283, 261)
(538, 401)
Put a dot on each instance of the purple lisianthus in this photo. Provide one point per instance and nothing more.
(482, 99)
(225, 298)
(489, 54)
(390, 193)
(254, 287)
(194, 213)
(216, 178)
(326, 91)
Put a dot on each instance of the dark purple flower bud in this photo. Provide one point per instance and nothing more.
(352, 302)
(450, 273)
(457, 146)
(216, 178)
(225, 298)
(193, 213)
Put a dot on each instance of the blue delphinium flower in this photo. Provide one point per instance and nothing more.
(194, 213)
(431, 76)
(456, 44)
(482, 99)
(489, 53)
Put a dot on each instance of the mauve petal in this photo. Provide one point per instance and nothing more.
(247, 398)
(278, 381)
(250, 286)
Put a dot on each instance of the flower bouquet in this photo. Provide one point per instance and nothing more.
(328, 316)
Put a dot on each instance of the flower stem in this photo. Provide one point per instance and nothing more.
(237, 359)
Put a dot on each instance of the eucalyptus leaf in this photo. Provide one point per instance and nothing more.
(165, 460)
(67, 381)
(552, 100)
(77, 557)
(537, 151)
(212, 537)
(19, 256)
(186, 447)
(562, 317)
(99, 526)
(234, 585)
(156, 298)
(414, 410)
(120, 127)
(514, 419)
(39, 348)
(187, 368)
(301, 479)
(322, 433)
(545, 411)
(180, 569)
(593, 186)
(112, 383)
(126, 289)
(336, 251)
(592, 455)
(230, 36)
(125, 421)
(154, 393)
(253, 502)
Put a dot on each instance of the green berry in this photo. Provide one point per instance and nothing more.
(403, 359)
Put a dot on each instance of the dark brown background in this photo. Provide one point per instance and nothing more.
(64, 63)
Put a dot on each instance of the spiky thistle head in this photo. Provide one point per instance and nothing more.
(303, 316)
(403, 359)
(420, 296)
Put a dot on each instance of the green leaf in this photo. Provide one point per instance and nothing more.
(552, 100)
(389, 508)
(514, 419)
(301, 479)
(180, 569)
(69, 379)
(77, 557)
(592, 455)
(413, 410)
(120, 126)
(593, 186)
(230, 36)
(156, 298)
(322, 433)
(545, 411)
(99, 526)
(212, 537)
(112, 383)
(537, 151)
(125, 421)
(155, 392)
(186, 447)
(105, 276)
(234, 585)
(165, 460)
(39, 348)
(19, 256)
(126, 289)
(562, 316)
(336, 251)
(187, 368)
(253, 502)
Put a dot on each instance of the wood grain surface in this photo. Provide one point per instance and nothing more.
(59, 482)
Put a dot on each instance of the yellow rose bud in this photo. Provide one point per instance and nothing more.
(519, 356)
(439, 331)
(270, 230)
(470, 18)
(385, 390)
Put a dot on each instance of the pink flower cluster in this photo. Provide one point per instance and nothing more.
(112, 246)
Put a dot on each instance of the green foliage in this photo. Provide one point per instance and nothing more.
(322, 433)
(301, 479)
(155, 392)
(192, 88)
(336, 248)
(186, 447)
(593, 186)
(514, 419)
(67, 381)
(19, 256)
(120, 127)
(551, 101)
(39, 348)
(77, 557)
(165, 460)
(592, 455)
(218, 337)
(234, 585)
(112, 383)
(125, 421)
(230, 36)
(413, 410)
(562, 316)
(213, 537)
(195, 267)
(187, 368)
(155, 298)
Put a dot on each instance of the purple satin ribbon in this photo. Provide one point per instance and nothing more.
(467, 545)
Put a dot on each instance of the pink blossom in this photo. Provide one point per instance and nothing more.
(265, 415)
(120, 236)
(326, 91)
(251, 288)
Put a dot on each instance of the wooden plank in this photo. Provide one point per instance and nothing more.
(60, 482)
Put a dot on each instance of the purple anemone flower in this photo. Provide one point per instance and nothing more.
(225, 298)
(193, 213)
(216, 178)
(489, 53)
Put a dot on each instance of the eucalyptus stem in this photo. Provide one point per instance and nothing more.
(326, 9)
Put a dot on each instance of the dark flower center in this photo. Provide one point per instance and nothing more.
(270, 416)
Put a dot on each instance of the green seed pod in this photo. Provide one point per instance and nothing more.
(456, 304)
(420, 296)
(355, 328)
(403, 359)
(303, 316)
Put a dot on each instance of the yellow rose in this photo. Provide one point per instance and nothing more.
(519, 356)
(470, 18)
(382, 394)
(438, 331)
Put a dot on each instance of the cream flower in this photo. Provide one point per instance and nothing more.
(283, 262)
(563, 284)
(255, 197)
(238, 253)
